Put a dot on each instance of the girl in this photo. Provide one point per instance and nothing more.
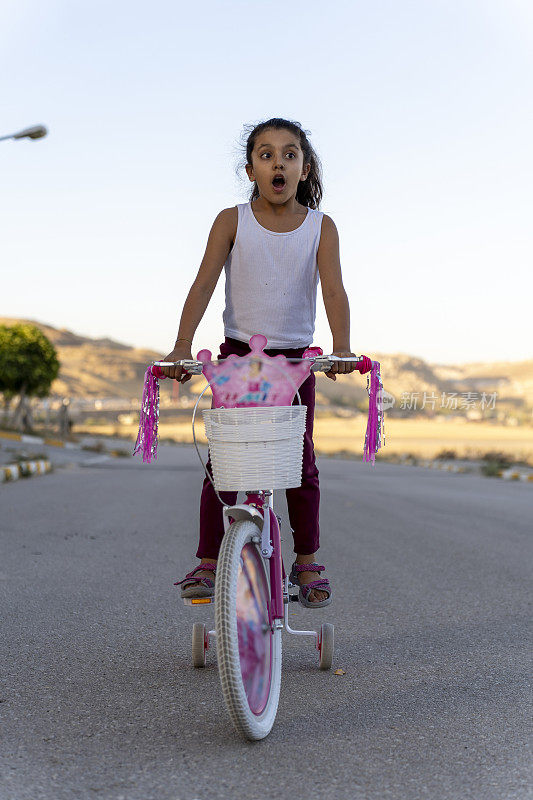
(274, 249)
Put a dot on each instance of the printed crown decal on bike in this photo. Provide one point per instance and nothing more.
(254, 380)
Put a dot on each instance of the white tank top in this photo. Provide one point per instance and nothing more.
(272, 280)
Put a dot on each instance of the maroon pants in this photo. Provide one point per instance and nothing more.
(302, 501)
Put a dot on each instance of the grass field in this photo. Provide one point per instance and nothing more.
(422, 438)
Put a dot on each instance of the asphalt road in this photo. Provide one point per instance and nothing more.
(431, 577)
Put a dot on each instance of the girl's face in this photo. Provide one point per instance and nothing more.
(277, 152)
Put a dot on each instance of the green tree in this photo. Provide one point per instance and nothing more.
(28, 366)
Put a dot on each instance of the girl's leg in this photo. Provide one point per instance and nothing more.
(303, 501)
(211, 520)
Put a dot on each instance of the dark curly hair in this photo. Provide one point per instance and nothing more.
(309, 192)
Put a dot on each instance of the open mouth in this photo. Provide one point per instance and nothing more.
(278, 183)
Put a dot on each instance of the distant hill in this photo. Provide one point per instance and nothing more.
(106, 368)
(94, 367)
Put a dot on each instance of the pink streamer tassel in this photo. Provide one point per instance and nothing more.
(149, 418)
(375, 426)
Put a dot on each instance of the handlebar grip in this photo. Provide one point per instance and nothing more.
(157, 372)
(365, 365)
(312, 351)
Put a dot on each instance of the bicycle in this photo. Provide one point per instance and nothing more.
(256, 446)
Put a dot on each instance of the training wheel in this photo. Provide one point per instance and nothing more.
(325, 645)
(199, 644)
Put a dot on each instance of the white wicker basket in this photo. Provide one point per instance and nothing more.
(256, 448)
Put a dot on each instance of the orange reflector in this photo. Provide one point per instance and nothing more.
(202, 600)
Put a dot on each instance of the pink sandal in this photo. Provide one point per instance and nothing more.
(321, 585)
(196, 587)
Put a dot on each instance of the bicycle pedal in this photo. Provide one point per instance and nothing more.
(293, 592)
(197, 601)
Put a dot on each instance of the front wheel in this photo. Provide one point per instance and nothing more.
(248, 646)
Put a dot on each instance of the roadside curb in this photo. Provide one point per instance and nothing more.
(24, 437)
(515, 475)
(26, 469)
(511, 474)
(27, 439)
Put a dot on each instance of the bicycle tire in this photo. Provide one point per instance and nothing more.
(198, 644)
(252, 725)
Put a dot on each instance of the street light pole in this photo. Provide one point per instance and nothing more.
(36, 132)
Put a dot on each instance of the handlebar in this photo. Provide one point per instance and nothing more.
(148, 422)
(193, 367)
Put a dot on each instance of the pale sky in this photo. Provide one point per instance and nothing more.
(420, 111)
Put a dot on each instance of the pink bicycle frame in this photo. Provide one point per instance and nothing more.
(270, 541)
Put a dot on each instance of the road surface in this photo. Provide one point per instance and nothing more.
(431, 578)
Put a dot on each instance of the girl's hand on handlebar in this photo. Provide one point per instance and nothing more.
(178, 373)
(344, 367)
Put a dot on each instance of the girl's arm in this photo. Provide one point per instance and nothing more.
(216, 253)
(334, 295)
